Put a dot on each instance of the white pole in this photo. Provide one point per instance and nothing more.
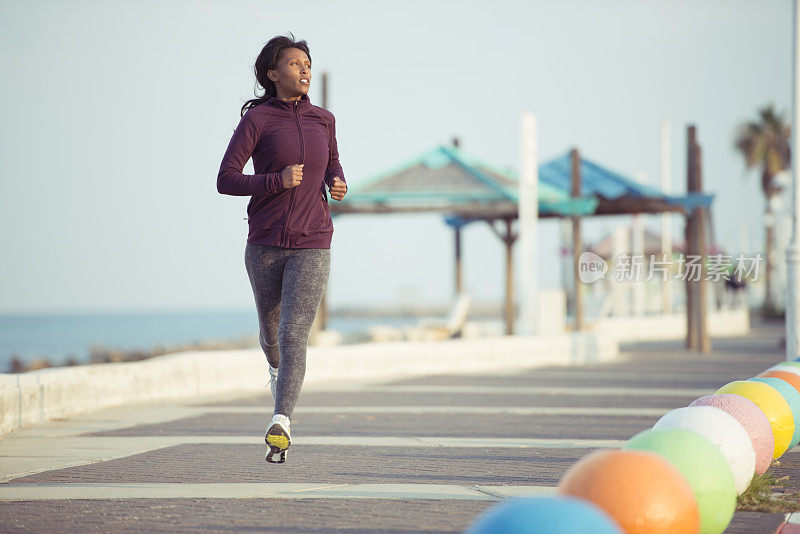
(793, 252)
(619, 289)
(528, 226)
(666, 226)
(639, 286)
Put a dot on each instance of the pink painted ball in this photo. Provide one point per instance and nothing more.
(752, 418)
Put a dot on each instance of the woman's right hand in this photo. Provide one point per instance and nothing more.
(292, 175)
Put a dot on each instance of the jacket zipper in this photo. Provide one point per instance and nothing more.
(291, 194)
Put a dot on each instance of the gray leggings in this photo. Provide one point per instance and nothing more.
(288, 285)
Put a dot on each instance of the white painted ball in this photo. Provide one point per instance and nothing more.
(721, 429)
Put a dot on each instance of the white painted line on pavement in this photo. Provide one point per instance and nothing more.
(595, 373)
(518, 491)
(493, 410)
(579, 391)
(23, 457)
(71, 491)
(390, 441)
(128, 417)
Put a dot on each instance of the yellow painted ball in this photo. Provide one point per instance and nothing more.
(774, 406)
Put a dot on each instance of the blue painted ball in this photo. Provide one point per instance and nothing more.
(540, 515)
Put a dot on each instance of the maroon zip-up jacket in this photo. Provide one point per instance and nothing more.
(277, 134)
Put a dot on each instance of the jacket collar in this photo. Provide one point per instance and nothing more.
(302, 103)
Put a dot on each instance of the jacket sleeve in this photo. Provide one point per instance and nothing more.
(334, 167)
(230, 180)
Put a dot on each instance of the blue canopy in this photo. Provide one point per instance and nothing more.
(612, 187)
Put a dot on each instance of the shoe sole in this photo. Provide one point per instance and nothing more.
(278, 441)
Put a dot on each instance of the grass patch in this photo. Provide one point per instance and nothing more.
(768, 493)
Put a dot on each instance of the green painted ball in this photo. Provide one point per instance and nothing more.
(704, 468)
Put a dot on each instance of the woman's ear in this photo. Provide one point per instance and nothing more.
(272, 75)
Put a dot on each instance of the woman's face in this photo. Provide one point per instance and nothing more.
(292, 77)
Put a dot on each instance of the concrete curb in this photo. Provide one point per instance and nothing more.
(47, 394)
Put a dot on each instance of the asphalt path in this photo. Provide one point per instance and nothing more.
(420, 455)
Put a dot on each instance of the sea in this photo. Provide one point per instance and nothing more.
(58, 337)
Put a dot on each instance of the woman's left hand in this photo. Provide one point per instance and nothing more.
(339, 188)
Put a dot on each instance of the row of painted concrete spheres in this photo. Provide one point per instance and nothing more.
(681, 476)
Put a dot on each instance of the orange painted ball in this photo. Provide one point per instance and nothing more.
(640, 490)
(792, 378)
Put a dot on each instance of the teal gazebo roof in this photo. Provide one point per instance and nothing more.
(445, 179)
(616, 192)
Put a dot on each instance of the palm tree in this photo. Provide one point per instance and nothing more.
(764, 144)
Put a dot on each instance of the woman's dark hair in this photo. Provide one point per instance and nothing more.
(267, 60)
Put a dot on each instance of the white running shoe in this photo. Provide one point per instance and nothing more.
(277, 438)
(273, 380)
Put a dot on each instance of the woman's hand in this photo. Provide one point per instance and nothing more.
(339, 188)
(292, 175)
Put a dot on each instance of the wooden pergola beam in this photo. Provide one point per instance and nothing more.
(618, 206)
(467, 211)
(634, 205)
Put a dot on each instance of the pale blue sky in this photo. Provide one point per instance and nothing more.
(115, 116)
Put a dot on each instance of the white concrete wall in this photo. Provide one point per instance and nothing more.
(664, 327)
(38, 396)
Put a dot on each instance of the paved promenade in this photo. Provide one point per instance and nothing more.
(416, 455)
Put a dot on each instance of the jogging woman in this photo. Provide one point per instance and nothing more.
(287, 256)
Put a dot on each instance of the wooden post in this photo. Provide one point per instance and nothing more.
(577, 304)
(457, 232)
(666, 221)
(508, 237)
(697, 337)
(702, 249)
(691, 331)
(509, 241)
